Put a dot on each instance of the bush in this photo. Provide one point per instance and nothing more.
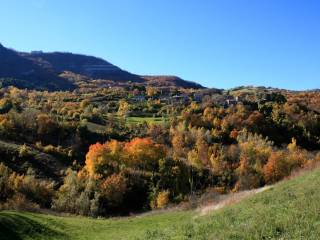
(19, 202)
(68, 194)
(113, 190)
(17, 189)
(36, 190)
(78, 195)
(6, 189)
(24, 151)
(49, 149)
(276, 167)
(163, 199)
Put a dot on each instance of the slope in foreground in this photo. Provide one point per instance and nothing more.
(288, 210)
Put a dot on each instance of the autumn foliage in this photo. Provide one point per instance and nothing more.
(276, 167)
(103, 159)
(113, 189)
(129, 148)
(163, 199)
(143, 152)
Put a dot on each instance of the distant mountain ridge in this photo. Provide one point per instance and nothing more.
(164, 80)
(41, 70)
(93, 67)
(24, 73)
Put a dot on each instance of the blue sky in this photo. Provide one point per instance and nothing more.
(218, 43)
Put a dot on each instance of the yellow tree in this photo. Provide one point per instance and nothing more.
(144, 153)
(276, 167)
(103, 159)
(124, 108)
(254, 153)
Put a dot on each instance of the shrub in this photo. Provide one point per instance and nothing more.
(276, 167)
(68, 194)
(49, 149)
(37, 190)
(20, 202)
(24, 188)
(163, 199)
(24, 151)
(113, 189)
(95, 205)
(6, 189)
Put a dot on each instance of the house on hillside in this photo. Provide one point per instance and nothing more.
(139, 98)
(231, 101)
(182, 98)
(197, 97)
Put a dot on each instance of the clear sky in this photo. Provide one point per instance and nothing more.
(218, 43)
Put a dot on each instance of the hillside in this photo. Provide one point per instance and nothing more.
(288, 210)
(92, 67)
(170, 81)
(43, 164)
(24, 73)
(42, 71)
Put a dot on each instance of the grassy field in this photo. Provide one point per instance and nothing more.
(14, 225)
(289, 210)
(150, 120)
(94, 127)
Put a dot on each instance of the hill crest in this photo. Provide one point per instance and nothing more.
(41, 70)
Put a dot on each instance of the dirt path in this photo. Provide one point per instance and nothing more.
(216, 202)
(225, 200)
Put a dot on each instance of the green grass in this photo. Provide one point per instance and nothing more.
(14, 225)
(94, 127)
(149, 120)
(289, 210)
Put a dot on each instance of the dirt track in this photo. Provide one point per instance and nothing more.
(225, 200)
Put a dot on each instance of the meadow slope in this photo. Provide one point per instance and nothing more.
(288, 210)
